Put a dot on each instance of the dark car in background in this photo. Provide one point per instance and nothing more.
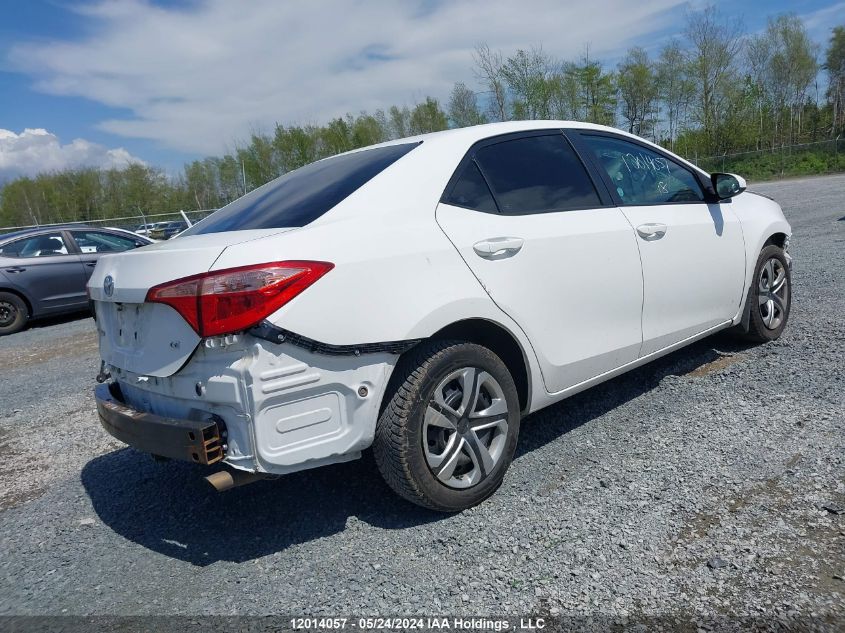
(144, 229)
(166, 230)
(43, 271)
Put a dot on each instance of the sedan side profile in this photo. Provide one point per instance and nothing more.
(421, 296)
(43, 271)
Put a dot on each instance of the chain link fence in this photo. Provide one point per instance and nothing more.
(141, 223)
(805, 159)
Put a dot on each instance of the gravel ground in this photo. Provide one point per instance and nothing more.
(709, 483)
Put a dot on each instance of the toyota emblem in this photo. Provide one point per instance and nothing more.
(108, 285)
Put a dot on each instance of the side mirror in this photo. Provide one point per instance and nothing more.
(727, 185)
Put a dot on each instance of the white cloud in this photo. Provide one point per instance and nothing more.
(820, 23)
(199, 76)
(35, 151)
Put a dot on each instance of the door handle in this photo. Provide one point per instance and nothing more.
(15, 269)
(652, 231)
(90, 263)
(498, 247)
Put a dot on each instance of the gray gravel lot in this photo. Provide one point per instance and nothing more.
(709, 483)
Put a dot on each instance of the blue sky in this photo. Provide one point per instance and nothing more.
(168, 81)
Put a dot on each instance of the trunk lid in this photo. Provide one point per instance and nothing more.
(151, 338)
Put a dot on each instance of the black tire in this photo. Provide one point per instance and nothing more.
(398, 446)
(758, 330)
(13, 313)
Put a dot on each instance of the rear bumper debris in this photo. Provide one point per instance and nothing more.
(197, 441)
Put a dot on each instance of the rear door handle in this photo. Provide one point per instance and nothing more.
(15, 269)
(90, 263)
(498, 247)
(651, 231)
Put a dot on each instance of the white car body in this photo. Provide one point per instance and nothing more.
(584, 298)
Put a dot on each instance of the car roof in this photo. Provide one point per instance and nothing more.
(37, 230)
(423, 173)
(473, 133)
(460, 139)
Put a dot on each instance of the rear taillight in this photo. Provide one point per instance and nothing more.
(225, 301)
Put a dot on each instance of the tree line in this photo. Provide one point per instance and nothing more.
(712, 90)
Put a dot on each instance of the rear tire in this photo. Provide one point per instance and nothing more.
(449, 428)
(13, 313)
(770, 298)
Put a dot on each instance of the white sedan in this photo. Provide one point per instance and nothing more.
(420, 296)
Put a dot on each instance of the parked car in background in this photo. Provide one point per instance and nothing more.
(144, 229)
(43, 271)
(166, 230)
(422, 295)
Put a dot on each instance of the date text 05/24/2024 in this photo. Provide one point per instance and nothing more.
(417, 623)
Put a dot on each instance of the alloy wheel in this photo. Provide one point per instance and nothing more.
(773, 293)
(465, 427)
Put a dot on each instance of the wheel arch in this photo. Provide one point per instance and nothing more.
(778, 239)
(501, 342)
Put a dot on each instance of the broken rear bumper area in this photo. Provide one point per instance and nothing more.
(197, 441)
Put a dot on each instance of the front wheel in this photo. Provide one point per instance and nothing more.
(771, 296)
(448, 432)
(13, 313)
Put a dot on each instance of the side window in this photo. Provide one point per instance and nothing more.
(48, 245)
(471, 191)
(101, 242)
(641, 175)
(537, 174)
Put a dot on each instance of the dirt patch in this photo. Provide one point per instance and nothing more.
(706, 523)
(715, 365)
(16, 483)
(67, 346)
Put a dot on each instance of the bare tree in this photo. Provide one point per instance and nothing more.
(488, 69)
(758, 53)
(674, 86)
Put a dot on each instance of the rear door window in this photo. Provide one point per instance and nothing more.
(537, 174)
(303, 195)
(471, 191)
(47, 245)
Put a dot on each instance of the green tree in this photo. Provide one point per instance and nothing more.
(527, 75)
(296, 146)
(368, 130)
(399, 121)
(676, 88)
(463, 107)
(835, 66)
(428, 117)
(783, 62)
(638, 90)
(714, 44)
(596, 92)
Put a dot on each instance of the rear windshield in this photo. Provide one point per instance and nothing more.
(303, 195)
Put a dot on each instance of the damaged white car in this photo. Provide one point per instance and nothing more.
(419, 297)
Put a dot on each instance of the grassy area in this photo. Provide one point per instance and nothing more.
(782, 163)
